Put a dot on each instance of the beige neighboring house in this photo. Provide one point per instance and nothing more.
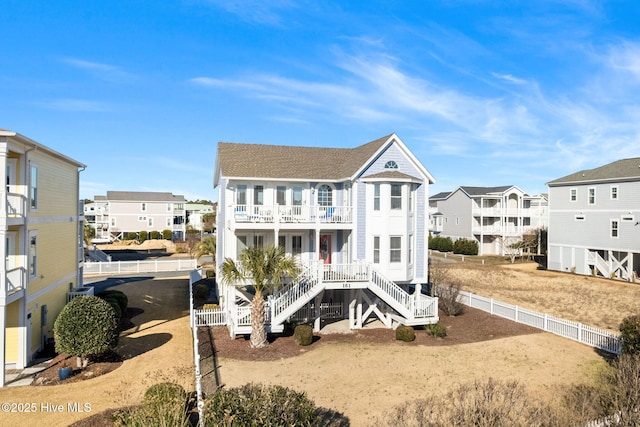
(42, 228)
(196, 212)
(121, 212)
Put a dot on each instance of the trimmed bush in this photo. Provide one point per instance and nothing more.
(465, 247)
(303, 335)
(439, 243)
(155, 235)
(164, 404)
(436, 330)
(630, 332)
(210, 274)
(405, 333)
(114, 304)
(256, 405)
(167, 234)
(87, 326)
(119, 296)
(163, 393)
(143, 235)
(201, 291)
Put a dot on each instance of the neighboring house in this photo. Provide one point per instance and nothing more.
(122, 212)
(41, 227)
(354, 217)
(495, 217)
(195, 213)
(594, 221)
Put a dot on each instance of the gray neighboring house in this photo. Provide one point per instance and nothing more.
(492, 216)
(594, 221)
(122, 212)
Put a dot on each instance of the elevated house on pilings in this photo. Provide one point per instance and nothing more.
(594, 221)
(355, 218)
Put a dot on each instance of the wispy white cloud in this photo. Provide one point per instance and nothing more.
(509, 78)
(256, 11)
(99, 70)
(76, 105)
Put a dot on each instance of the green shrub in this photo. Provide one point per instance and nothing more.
(405, 333)
(210, 274)
(155, 235)
(201, 291)
(465, 247)
(142, 236)
(436, 330)
(114, 304)
(130, 235)
(119, 296)
(255, 405)
(164, 404)
(630, 332)
(167, 234)
(303, 335)
(439, 243)
(85, 327)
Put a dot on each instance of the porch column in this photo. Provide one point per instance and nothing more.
(317, 243)
(317, 322)
(24, 347)
(3, 343)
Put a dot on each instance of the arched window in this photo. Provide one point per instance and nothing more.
(391, 165)
(325, 195)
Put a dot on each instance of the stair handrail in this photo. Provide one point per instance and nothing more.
(398, 294)
(305, 282)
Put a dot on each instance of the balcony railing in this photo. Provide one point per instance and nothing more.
(502, 231)
(292, 214)
(498, 211)
(16, 280)
(16, 205)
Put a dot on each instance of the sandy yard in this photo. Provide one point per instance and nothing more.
(598, 302)
(359, 379)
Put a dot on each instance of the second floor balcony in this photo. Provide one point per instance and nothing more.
(291, 214)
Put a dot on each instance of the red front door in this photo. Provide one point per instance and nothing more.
(325, 248)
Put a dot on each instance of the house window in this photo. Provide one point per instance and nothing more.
(395, 249)
(592, 196)
(526, 204)
(281, 195)
(168, 207)
(282, 242)
(391, 165)
(614, 193)
(296, 245)
(33, 187)
(113, 221)
(33, 254)
(410, 198)
(573, 194)
(142, 218)
(169, 222)
(325, 196)
(143, 207)
(457, 221)
(258, 195)
(376, 197)
(410, 249)
(150, 223)
(376, 249)
(614, 228)
(258, 241)
(396, 196)
(297, 196)
(241, 245)
(241, 195)
(628, 218)
(579, 217)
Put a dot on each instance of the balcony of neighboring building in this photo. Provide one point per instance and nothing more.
(290, 216)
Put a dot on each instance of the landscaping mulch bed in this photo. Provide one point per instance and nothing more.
(471, 326)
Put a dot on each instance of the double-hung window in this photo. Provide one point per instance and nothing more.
(592, 196)
(376, 249)
(241, 195)
(376, 197)
(258, 195)
(33, 187)
(396, 196)
(614, 228)
(395, 249)
(281, 195)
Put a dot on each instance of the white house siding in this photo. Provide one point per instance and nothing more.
(421, 233)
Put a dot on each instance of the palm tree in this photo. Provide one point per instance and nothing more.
(265, 269)
(207, 246)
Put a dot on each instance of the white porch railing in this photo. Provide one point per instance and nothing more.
(151, 266)
(79, 292)
(16, 205)
(217, 317)
(16, 279)
(291, 214)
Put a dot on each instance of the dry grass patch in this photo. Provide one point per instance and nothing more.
(593, 301)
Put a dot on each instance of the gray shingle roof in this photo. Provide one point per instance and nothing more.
(618, 170)
(293, 162)
(440, 196)
(143, 196)
(481, 191)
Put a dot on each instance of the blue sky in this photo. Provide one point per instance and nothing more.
(485, 93)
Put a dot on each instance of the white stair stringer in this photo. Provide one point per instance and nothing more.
(393, 295)
(293, 299)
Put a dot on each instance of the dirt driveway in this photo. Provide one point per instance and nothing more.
(159, 346)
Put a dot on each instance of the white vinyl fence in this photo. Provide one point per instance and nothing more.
(150, 266)
(195, 276)
(594, 337)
